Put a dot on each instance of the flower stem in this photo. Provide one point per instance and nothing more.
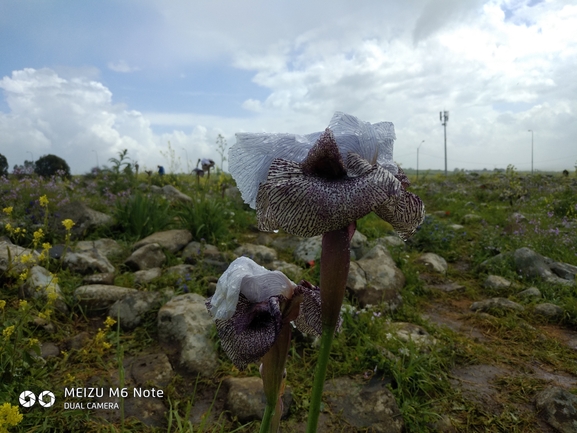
(335, 262)
(273, 381)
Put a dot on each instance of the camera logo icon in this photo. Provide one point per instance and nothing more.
(45, 399)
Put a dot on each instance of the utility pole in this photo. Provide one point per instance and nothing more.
(444, 117)
(531, 131)
(418, 159)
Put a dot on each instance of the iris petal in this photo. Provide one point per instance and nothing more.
(249, 334)
(309, 206)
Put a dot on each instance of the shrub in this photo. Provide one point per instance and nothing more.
(51, 165)
(3, 165)
(206, 218)
(141, 215)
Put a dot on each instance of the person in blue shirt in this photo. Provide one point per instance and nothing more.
(160, 170)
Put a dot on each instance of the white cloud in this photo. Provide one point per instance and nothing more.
(74, 118)
(122, 66)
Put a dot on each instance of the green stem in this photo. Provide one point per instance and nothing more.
(335, 262)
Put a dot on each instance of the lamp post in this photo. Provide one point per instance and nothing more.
(444, 117)
(97, 163)
(418, 158)
(531, 131)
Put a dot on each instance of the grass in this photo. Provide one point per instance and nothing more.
(367, 346)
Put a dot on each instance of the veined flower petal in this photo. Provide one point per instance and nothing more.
(250, 333)
(252, 280)
(309, 206)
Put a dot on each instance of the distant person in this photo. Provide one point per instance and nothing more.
(206, 164)
(160, 170)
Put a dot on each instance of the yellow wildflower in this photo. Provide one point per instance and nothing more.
(8, 210)
(32, 342)
(8, 227)
(23, 304)
(52, 296)
(9, 416)
(68, 224)
(106, 345)
(24, 275)
(2, 304)
(43, 201)
(8, 331)
(38, 235)
(25, 258)
(46, 246)
(109, 321)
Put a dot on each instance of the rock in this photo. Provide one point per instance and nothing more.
(172, 193)
(383, 279)
(286, 243)
(358, 245)
(371, 406)
(559, 408)
(471, 218)
(245, 398)
(130, 310)
(106, 247)
(562, 270)
(391, 241)
(151, 370)
(496, 304)
(147, 275)
(78, 341)
(456, 227)
(356, 279)
(146, 257)
(105, 278)
(49, 350)
(259, 253)
(533, 265)
(196, 251)
(99, 296)
(517, 217)
(433, 262)
(10, 256)
(263, 239)
(185, 325)
(170, 240)
(308, 249)
(550, 311)
(85, 219)
(496, 282)
(233, 193)
(289, 269)
(531, 292)
(87, 262)
(180, 270)
(40, 283)
(410, 332)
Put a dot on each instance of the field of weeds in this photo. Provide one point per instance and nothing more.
(477, 371)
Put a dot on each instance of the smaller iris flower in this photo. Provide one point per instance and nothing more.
(252, 304)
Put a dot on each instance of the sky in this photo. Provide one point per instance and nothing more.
(163, 78)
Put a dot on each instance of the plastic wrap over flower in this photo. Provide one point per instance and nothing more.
(251, 304)
(309, 185)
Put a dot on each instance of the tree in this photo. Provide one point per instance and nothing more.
(51, 165)
(3, 165)
(221, 146)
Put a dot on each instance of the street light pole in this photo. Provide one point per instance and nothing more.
(418, 158)
(444, 117)
(97, 163)
(531, 131)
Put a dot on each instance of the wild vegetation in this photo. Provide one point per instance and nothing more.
(367, 347)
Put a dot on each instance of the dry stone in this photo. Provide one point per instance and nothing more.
(496, 304)
(245, 398)
(100, 296)
(130, 310)
(147, 275)
(87, 262)
(559, 408)
(106, 247)
(434, 262)
(170, 240)
(146, 257)
(259, 253)
(496, 282)
(185, 325)
(40, 283)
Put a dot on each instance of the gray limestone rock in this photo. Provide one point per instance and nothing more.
(100, 296)
(180, 270)
(105, 278)
(434, 262)
(196, 251)
(371, 406)
(106, 247)
(496, 282)
(550, 311)
(185, 325)
(10, 256)
(39, 284)
(147, 275)
(87, 262)
(130, 310)
(531, 292)
(171, 193)
(85, 219)
(533, 265)
(308, 249)
(410, 332)
(245, 398)
(147, 257)
(289, 269)
(496, 304)
(391, 241)
(559, 408)
(259, 253)
(170, 240)
(383, 279)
